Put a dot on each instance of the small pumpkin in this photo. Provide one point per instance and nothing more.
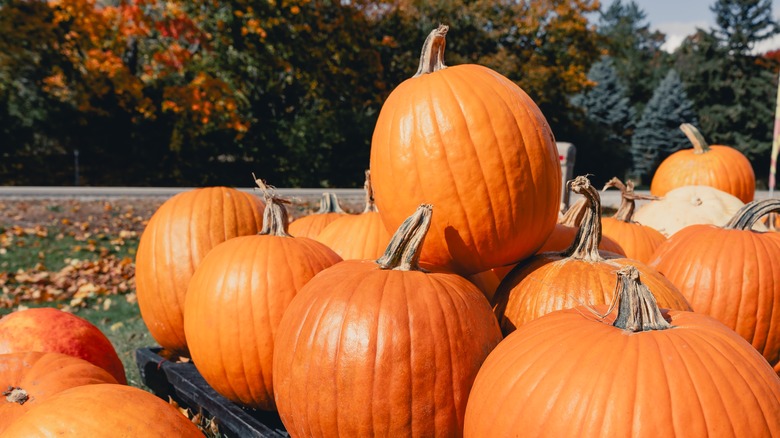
(471, 142)
(312, 225)
(718, 166)
(731, 273)
(358, 236)
(637, 240)
(47, 329)
(236, 299)
(686, 206)
(382, 348)
(580, 275)
(29, 378)
(178, 236)
(103, 410)
(644, 372)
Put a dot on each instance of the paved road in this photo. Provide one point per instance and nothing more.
(610, 198)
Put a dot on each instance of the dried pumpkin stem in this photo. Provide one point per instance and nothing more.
(750, 213)
(625, 212)
(329, 203)
(575, 213)
(403, 252)
(700, 145)
(586, 243)
(275, 220)
(370, 204)
(432, 56)
(638, 310)
(16, 395)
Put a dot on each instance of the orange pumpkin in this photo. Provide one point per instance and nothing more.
(580, 275)
(27, 379)
(718, 166)
(471, 142)
(312, 225)
(358, 236)
(46, 329)
(566, 230)
(641, 373)
(103, 410)
(639, 241)
(179, 234)
(236, 299)
(382, 348)
(731, 273)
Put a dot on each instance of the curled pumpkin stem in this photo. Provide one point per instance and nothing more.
(432, 56)
(586, 243)
(574, 215)
(403, 251)
(700, 145)
(275, 219)
(750, 213)
(628, 197)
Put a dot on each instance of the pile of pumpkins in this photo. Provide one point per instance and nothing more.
(460, 303)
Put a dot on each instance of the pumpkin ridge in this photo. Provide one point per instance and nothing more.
(769, 298)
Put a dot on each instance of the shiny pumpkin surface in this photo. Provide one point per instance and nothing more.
(356, 237)
(178, 236)
(471, 142)
(636, 240)
(29, 378)
(47, 329)
(572, 374)
(234, 304)
(365, 351)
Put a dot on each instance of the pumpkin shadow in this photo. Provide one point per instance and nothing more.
(457, 248)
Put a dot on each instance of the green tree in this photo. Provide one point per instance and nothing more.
(743, 23)
(657, 133)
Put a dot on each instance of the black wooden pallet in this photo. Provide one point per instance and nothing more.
(184, 384)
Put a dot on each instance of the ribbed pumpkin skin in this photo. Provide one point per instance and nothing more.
(234, 304)
(363, 351)
(731, 275)
(569, 374)
(356, 237)
(42, 375)
(721, 167)
(471, 142)
(179, 234)
(550, 282)
(562, 237)
(47, 329)
(638, 241)
(312, 225)
(103, 410)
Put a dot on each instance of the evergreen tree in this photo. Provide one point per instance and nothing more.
(610, 119)
(742, 23)
(634, 48)
(658, 132)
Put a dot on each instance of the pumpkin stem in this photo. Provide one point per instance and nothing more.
(575, 213)
(370, 205)
(275, 218)
(586, 243)
(432, 56)
(637, 310)
(625, 212)
(329, 203)
(751, 212)
(700, 145)
(16, 395)
(403, 251)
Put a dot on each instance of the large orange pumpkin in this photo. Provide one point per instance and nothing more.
(179, 234)
(236, 299)
(471, 142)
(382, 348)
(103, 410)
(718, 166)
(312, 225)
(637, 240)
(580, 275)
(27, 379)
(641, 373)
(358, 236)
(47, 329)
(731, 273)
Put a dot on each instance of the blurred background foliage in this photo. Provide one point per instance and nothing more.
(205, 92)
